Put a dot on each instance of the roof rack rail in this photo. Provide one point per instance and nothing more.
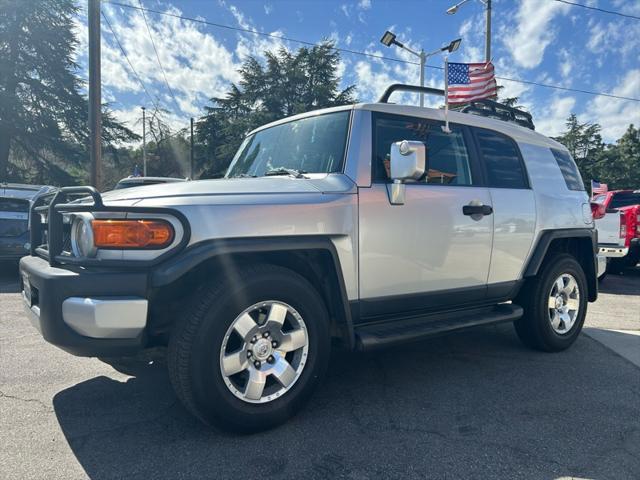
(408, 88)
(492, 109)
(483, 107)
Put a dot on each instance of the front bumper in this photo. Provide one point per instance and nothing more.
(87, 313)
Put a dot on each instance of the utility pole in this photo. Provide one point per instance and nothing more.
(191, 156)
(144, 143)
(95, 95)
(487, 39)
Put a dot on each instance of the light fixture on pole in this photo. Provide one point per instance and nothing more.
(389, 38)
(487, 39)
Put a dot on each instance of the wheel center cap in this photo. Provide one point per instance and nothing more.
(559, 301)
(262, 349)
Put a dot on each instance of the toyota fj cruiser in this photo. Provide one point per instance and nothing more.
(367, 225)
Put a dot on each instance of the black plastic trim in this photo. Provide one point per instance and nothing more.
(542, 246)
(176, 267)
(401, 87)
(385, 334)
(54, 285)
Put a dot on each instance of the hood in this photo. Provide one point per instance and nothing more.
(334, 183)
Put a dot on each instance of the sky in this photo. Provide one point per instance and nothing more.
(543, 41)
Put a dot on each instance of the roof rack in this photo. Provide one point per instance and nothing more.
(408, 88)
(484, 107)
(492, 109)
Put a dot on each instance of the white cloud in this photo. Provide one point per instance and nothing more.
(345, 9)
(268, 8)
(364, 4)
(615, 115)
(550, 120)
(533, 31)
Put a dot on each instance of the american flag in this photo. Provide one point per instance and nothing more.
(470, 81)
(598, 188)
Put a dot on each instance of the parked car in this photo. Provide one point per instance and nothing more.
(141, 181)
(365, 226)
(15, 202)
(625, 205)
(611, 229)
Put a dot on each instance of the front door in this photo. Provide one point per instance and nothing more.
(427, 253)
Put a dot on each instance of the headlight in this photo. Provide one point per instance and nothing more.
(82, 242)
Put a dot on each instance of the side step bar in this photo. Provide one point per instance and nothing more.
(389, 333)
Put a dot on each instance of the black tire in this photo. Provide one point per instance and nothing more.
(534, 328)
(195, 343)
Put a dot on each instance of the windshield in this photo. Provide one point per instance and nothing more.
(310, 145)
(625, 199)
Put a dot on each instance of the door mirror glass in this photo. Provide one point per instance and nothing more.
(408, 160)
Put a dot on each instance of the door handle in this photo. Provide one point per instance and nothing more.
(477, 210)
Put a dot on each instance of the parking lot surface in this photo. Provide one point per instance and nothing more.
(476, 404)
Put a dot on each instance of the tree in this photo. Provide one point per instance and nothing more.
(43, 115)
(584, 142)
(289, 83)
(619, 164)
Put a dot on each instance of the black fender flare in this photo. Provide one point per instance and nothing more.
(173, 269)
(545, 239)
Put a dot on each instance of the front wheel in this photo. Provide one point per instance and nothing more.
(555, 305)
(250, 353)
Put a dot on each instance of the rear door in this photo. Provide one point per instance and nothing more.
(514, 208)
(425, 254)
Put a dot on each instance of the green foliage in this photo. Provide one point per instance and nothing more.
(289, 83)
(617, 165)
(43, 115)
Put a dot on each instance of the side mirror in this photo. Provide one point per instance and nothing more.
(408, 162)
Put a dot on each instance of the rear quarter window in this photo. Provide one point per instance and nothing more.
(501, 159)
(569, 170)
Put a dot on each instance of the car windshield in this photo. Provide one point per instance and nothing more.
(625, 199)
(309, 145)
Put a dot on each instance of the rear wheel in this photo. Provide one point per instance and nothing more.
(555, 305)
(249, 354)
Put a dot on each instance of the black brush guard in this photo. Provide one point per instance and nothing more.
(48, 239)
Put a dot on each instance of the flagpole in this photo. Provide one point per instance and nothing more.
(446, 95)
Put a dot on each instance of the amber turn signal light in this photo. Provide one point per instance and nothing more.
(150, 234)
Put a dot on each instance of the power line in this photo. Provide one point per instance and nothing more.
(356, 52)
(175, 101)
(599, 9)
(129, 62)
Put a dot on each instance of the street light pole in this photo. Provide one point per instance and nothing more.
(144, 143)
(95, 95)
(487, 38)
(423, 60)
(389, 39)
(487, 32)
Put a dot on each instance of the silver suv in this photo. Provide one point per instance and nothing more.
(366, 226)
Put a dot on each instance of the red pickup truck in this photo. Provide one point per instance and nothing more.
(627, 202)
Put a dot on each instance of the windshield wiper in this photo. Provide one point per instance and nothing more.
(244, 175)
(285, 171)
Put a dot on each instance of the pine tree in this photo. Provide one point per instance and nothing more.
(43, 115)
(287, 84)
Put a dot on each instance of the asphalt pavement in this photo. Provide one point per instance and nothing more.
(476, 404)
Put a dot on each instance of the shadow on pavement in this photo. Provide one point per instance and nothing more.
(474, 404)
(627, 283)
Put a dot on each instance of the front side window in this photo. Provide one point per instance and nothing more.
(447, 155)
(569, 170)
(309, 145)
(501, 159)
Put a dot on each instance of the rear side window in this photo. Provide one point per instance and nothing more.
(502, 161)
(569, 170)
